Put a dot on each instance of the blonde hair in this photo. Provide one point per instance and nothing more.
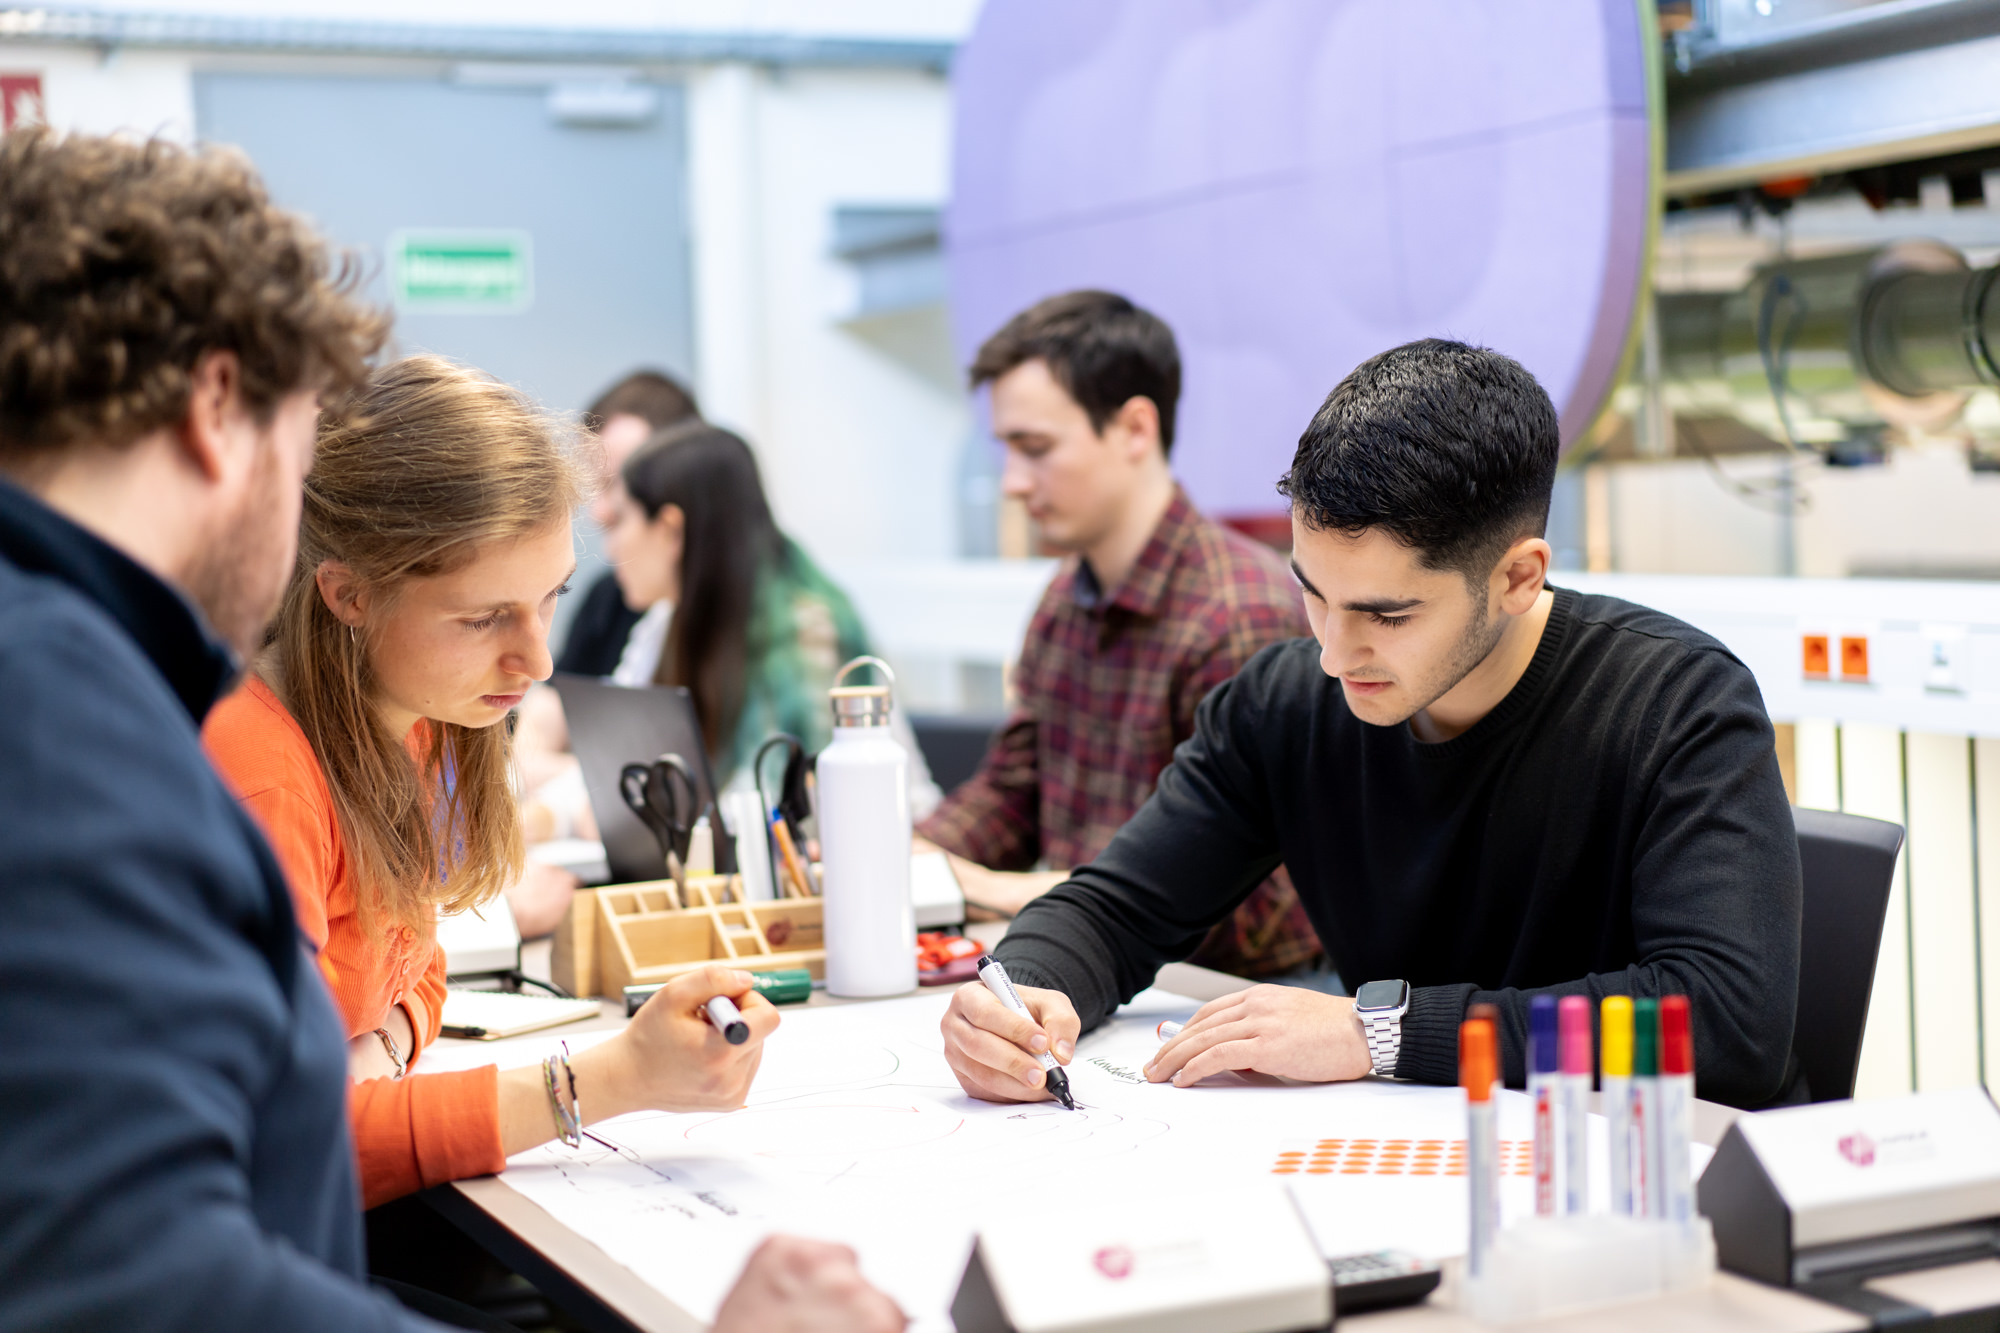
(425, 465)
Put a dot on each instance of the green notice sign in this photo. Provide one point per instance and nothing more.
(470, 272)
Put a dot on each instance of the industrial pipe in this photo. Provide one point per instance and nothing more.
(1813, 351)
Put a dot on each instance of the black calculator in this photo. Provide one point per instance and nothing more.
(1379, 1280)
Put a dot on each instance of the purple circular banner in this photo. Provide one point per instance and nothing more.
(1296, 185)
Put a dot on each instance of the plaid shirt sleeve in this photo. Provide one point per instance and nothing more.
(993, 817)
(1239, 635)
(1268, 933)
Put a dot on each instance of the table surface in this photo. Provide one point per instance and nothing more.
(609, 1296)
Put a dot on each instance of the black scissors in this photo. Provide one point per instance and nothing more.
(664, 796)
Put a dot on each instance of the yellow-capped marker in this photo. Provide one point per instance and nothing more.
(1615, 1028)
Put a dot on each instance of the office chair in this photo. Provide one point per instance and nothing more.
(1849, 864)
(953, 746)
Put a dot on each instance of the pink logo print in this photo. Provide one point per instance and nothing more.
(1114, 1261)
(1858, 1148)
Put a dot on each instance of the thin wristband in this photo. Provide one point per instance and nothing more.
(575, 1102)
(568, 1128)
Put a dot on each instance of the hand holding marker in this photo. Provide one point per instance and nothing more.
(995, 977)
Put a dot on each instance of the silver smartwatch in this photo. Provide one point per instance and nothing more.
(1380, 1005)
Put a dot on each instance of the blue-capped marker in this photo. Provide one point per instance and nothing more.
(1544, 1067)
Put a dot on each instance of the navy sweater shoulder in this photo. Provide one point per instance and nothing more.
(1616, 825)
(176, 1154)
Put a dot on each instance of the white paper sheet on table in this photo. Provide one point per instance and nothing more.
(856, 1131)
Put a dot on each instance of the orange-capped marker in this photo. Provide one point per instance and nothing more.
(1478, 1070)
(1477, 1059)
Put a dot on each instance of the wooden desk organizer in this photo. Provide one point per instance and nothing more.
(632, 934)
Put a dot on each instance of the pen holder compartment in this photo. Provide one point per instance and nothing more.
(642, 936)
(1542, 1266)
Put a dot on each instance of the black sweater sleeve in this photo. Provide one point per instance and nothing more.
(1715, 899)
(1697, 890)
(1196, 848)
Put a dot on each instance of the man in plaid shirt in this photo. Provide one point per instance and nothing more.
(1156, 606)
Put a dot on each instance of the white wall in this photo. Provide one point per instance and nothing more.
(141, 92)
(1922, 509)
(896, 20)
(859, 448)
(1675, 517)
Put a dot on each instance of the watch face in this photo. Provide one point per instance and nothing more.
(1382, 995)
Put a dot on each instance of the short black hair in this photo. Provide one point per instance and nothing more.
(655, 397)
(1101, 348)
(1451, 449)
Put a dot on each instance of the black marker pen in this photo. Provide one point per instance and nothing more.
(727, 1019)
(995, 977)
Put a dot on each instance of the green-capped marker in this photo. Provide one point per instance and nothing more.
(1645, 1038)
(779, 985)
(784, 985)
(1647, 1194)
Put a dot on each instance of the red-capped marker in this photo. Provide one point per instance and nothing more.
(1676, 1109)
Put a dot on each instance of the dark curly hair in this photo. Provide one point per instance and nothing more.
(123, 263)
(1450, 449)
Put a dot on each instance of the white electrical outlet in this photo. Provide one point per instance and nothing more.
(1944, 658)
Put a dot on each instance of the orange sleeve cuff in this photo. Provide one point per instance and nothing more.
(424, 1130)
(430, 993)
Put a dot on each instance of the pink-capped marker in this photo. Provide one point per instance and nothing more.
(1574, 1038)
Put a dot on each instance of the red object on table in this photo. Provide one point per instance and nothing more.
(945, 959)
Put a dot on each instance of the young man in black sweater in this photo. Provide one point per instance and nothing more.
(1485, 788)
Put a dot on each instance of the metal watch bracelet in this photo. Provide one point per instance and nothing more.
(1384, 1034)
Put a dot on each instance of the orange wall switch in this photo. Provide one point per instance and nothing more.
(1854, 656)
(1817, 657)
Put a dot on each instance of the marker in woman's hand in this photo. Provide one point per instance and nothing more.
(1168, 1030)
(722, 1013)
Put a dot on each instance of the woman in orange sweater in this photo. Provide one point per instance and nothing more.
(368, 741)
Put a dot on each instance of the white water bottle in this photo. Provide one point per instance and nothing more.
(864, 841)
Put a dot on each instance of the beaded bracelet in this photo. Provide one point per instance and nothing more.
(569, 1126)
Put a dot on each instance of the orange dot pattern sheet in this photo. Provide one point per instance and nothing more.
(1394, 1157)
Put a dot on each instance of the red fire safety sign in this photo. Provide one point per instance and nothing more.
(21, 101)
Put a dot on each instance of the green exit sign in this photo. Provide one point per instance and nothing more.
(467, 272)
